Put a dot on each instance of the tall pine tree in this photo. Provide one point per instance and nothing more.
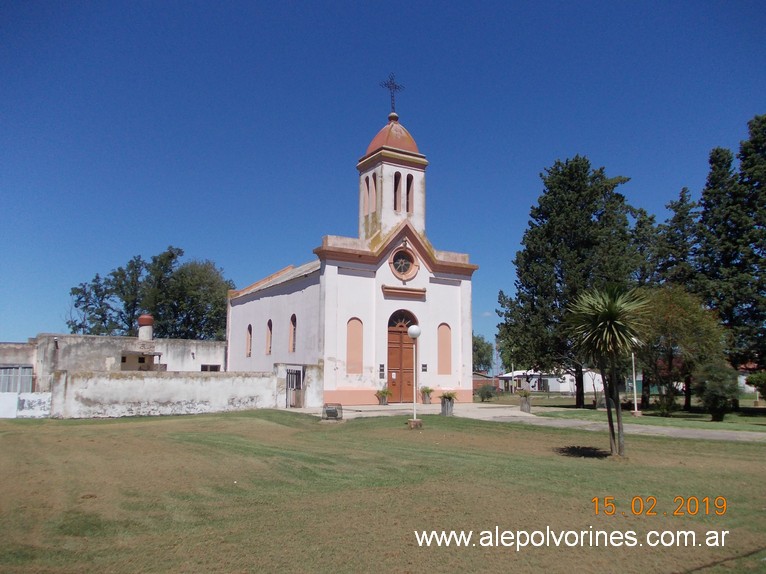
(677, 243)
(730, 236)
(578, 238)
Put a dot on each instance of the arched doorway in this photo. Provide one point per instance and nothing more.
(400, 360)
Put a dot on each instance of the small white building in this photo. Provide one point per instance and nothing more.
(29, 367)
(551, 382)
(347, 311)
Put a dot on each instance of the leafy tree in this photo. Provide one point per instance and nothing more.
(187, 300)
(92, 310)
(156, 290)
(680, 335)
(578, 238)
(758, 380)
(717, 387)
(605, 325)
(482, 353)
(126, 285)
(196, 298)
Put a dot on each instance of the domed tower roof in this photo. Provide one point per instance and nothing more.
(393, 135)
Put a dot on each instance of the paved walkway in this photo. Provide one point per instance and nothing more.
(510, 413)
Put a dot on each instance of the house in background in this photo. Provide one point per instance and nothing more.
(550, 382)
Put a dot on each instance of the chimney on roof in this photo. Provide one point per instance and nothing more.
(145, 328)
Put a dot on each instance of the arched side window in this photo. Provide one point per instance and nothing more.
(366, 197)
(374, 194)
(249, 341)
(354, 347)
(397, 191)
(269, 334)
(410, 198)
(444, 350)
(293, 334)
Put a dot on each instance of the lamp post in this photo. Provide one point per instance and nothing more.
(636, 412)
(414, 332)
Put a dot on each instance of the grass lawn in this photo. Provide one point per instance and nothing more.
(742, 421)
(748, 419)
(274, 491)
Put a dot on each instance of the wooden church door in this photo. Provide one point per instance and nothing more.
(400, 357)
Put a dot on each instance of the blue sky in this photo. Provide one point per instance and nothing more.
(232, 130)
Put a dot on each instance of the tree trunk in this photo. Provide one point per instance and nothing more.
(618, 409)
(646, 390)
(608, 401)
(688, 393)
(579, 387)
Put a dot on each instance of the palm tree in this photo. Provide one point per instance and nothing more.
(605, 326)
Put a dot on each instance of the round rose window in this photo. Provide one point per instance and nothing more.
(403, 264)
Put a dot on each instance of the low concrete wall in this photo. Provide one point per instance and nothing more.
(98, 394)
(34, 406)
(9, 403)
(25, 405)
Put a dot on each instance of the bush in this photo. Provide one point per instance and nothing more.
(666, 400)
(716, 385)
(758, 380)
(487, 392)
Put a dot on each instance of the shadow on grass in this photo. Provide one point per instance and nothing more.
(582, 452)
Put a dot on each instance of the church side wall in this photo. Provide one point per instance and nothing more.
(301, 298)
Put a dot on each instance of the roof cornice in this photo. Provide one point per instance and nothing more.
(373, 257)
(393, 155)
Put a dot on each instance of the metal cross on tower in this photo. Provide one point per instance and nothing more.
(391, 85)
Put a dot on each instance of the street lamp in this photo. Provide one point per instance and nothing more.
(636, 412)
(414, 332)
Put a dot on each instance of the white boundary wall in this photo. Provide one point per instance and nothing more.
(98, 394)
(25, 405)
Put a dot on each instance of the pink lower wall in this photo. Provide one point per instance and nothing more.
(367, 396)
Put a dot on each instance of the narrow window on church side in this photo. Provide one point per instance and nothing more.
(397, 191)
(374, 194)
(249, 341)
(269, 332)
(293, 331)
(444, 350)
(366, 197)
(354, 347)
(410, 198)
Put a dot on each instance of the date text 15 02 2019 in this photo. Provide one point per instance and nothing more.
(647, 506)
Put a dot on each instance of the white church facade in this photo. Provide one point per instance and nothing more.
(344, 316)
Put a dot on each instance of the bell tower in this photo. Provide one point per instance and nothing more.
(392, 183)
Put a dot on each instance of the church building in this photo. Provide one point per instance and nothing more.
(344, 316)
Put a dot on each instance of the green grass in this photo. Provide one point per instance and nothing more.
(745, 421)
(274, 491)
